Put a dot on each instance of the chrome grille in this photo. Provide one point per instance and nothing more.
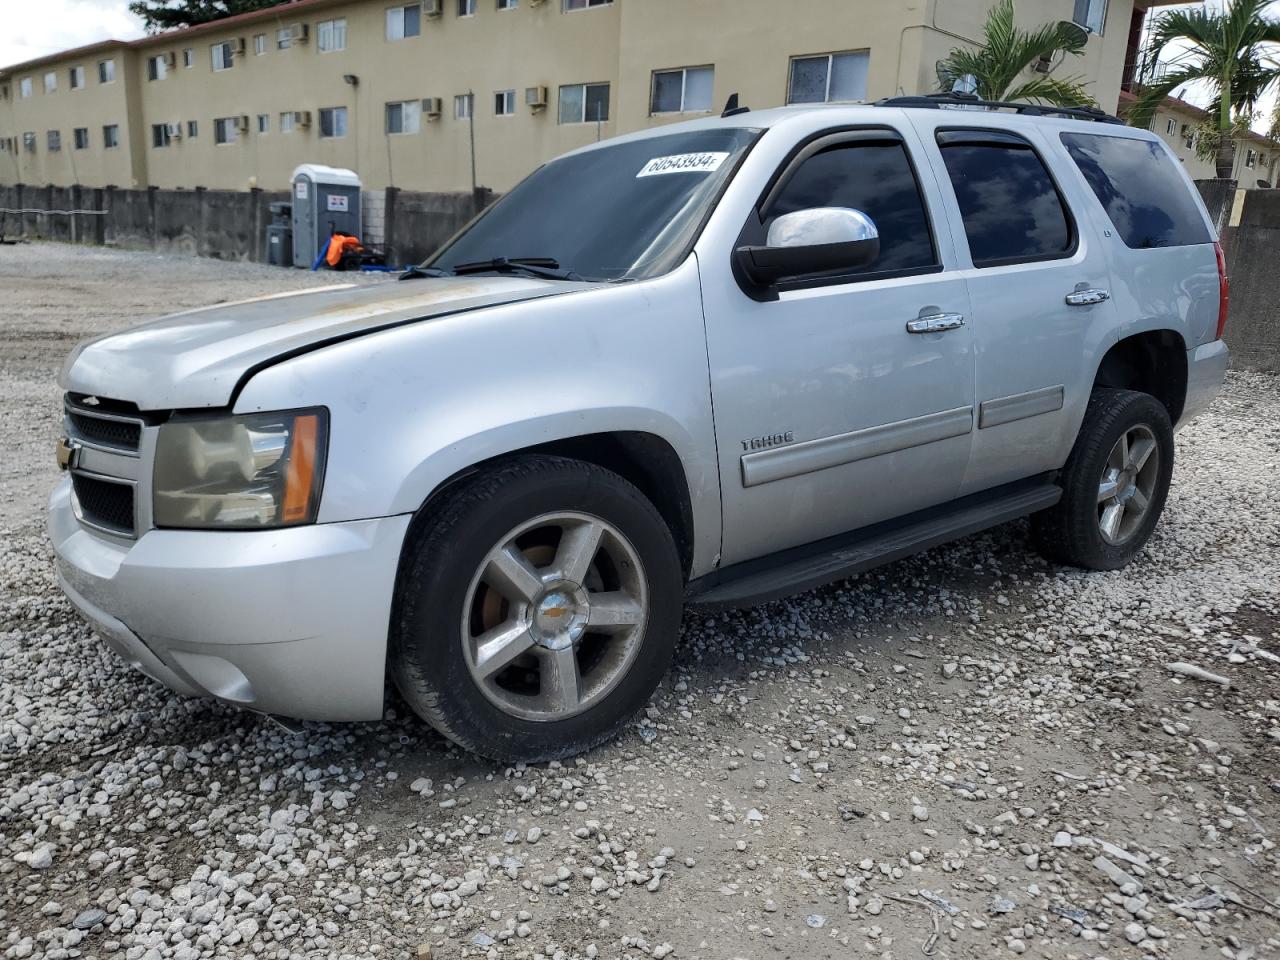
(104, 426)
(105, 503)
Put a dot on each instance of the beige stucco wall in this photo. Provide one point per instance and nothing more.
(750, 43)
(93, 106)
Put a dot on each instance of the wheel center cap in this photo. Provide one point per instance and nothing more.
(559, 615)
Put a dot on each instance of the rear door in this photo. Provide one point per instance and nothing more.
(1039, 286)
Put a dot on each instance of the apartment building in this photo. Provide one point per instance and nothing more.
(1177, 122)
(421, 94)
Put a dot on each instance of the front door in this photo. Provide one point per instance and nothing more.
(848, 399)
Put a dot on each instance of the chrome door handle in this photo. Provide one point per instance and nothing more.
(1085, 298)
(936, 323)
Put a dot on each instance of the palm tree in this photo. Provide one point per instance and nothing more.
(1233, 51)
(1000, 65)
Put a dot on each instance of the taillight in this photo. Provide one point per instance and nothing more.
(1224, 290)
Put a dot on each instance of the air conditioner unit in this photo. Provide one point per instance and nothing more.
(299, 32)
(535, 97)
(431, 8)
(302, 118)
(174, 130)
(242, 123)
(170, 60)
(1044, 64)
(432, 107)
(237, 46)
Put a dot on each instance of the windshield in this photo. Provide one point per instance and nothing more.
(630, 210)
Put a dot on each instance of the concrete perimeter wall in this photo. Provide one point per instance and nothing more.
(1253, 262)
(223, 224)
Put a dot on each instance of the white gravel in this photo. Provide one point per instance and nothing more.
(970, 753)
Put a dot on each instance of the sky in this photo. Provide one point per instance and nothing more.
(33, 28)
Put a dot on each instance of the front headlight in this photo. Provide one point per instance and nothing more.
(254, 471)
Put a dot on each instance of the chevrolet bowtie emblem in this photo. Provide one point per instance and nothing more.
(68, 453)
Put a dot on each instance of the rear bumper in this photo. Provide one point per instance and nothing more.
(1206, 369)
(291, 622)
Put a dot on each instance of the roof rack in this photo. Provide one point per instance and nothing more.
(936, 101)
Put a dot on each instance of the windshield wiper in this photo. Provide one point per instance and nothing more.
(412, 273)
(544, 267)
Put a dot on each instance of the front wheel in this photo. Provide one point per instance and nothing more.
(1114, 484)
(537, 609)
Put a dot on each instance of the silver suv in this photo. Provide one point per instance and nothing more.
(712, 363)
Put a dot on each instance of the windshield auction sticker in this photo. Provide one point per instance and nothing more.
(683, 163)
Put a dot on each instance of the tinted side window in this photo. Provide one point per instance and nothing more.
(1139, 185)
(872, 176)
(1011, 207)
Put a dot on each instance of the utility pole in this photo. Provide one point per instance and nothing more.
(471, 123)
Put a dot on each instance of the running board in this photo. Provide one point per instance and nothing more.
(815, 564)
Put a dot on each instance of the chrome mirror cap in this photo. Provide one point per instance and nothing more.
(821, 225)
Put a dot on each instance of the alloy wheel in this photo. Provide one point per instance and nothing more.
(554, 616)
(1128, 484)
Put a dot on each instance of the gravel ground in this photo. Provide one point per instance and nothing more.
(970, 754)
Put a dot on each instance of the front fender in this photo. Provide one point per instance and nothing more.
(412, 406)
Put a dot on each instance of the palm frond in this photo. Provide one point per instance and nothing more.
(1057, 91)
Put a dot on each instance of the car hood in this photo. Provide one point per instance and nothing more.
(198, 357)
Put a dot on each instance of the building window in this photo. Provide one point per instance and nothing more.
(50, 82)
(80, 137)
(507, 4)
(584, 103)
(193, 129)
(264, 123)
(55, 141)
(682, 91)
(24, 87)
(1091, 14)
(1188, 136)
(160, 135)
(1250, 157)
(76, 75)
(284, 38)
(466, 8)
(189, 57)
(286, 121)
(829, 77)
(462, 104)
(504, 103)
(223, 56)
(333, 122)
(156, 69)
(111, 136)
(259, 44)
(404, 21)
(106, 71)
(29, 142)
(226, 129)
(584, 4)
(1171, 127)
(404, 117)
(331, 35)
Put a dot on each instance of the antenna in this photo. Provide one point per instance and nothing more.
(731, 108)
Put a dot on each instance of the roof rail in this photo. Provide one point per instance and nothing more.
(936, 101)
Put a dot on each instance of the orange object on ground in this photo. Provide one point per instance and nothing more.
(341, 244)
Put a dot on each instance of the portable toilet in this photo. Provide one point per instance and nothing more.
(326, 200)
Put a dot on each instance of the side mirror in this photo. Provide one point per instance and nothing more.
(818, 240)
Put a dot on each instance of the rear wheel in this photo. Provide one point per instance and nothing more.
(1115, 483)
(537, 611)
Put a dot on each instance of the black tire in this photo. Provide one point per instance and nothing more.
(442, 558)
(1071, 531)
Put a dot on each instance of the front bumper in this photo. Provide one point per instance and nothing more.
(291, 622)
(1206, 369)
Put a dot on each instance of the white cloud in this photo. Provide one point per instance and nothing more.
(35, 28)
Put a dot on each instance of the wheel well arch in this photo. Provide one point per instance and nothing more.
(645, 460)
(1154, 362)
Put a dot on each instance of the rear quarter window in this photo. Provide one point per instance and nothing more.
(1140, 187)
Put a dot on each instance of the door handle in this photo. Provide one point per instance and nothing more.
(936, 323)
(1085, 298)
